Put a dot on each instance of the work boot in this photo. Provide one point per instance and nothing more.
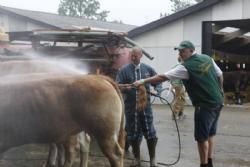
(151, 150)
(210, 162)
(136, 151)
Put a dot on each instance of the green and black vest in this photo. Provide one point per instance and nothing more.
(203, 85)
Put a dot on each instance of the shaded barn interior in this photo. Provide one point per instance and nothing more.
(228, 42)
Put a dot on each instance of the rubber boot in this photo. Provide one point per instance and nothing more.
(136, 151)
(151, 150)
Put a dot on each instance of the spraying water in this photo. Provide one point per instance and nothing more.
(40, 64)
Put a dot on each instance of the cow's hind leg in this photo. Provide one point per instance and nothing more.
(71, 149)
(112, 150)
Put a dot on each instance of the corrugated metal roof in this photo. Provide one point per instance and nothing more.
(59, 21)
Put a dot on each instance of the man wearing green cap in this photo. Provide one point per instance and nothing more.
(204, 83)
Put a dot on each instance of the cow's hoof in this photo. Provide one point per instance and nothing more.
(44, 165)
(135, 164)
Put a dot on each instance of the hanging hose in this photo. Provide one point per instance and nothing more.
(177, 129)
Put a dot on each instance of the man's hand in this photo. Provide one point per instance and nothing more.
(138, 83)
(125, 86)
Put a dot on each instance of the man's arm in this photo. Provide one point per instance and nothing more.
(120, 79)
(221, 80)
(219, 74)
(158, 86)
(152, 80)
(179, 72)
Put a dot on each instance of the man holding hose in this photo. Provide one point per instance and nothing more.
(203, 81)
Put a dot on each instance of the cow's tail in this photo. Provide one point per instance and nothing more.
(141, 102)
(122, 133)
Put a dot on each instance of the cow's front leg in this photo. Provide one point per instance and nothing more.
(61, 154)
(84, 140)
(51, 161)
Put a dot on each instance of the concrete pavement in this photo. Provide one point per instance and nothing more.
(232, 142)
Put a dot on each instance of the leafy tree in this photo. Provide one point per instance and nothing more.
(182, 4)
(82, 8)
(118, 21)
(163, 15)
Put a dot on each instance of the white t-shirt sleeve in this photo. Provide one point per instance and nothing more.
(179, 72)
(217, 69)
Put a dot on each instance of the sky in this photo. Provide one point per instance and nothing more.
(134, 12)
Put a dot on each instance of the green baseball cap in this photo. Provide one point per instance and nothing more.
(184, 45)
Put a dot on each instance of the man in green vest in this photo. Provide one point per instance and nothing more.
(203, 81)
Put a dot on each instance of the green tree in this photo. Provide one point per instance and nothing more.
(89, 9)
(118, 21)
(182, 4)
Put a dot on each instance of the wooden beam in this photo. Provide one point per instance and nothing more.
(217, 27)
(229, 36)
(243, 42)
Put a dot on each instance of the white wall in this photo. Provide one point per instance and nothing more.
(9, 23)
(160, 43)
(192, 28)
(228, 10)
(246, 9)
(163, 36)
(4, 23)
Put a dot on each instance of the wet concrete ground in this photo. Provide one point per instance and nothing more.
(232, 142)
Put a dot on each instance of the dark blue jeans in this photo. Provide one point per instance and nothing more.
(205, 122)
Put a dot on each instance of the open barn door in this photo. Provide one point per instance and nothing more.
(228, 42)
